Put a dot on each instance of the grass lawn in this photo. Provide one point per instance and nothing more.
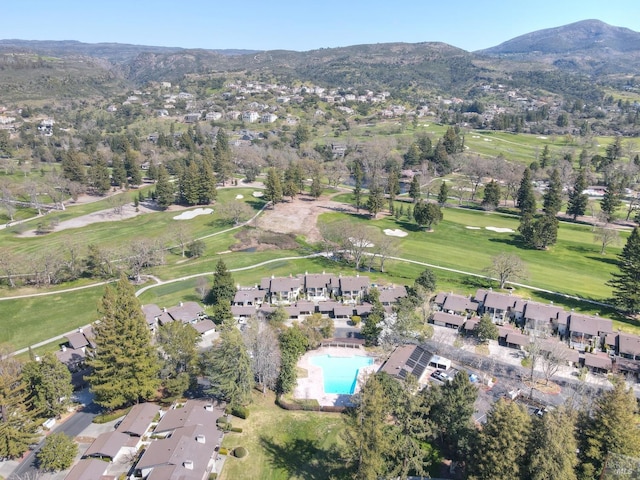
(285, 444)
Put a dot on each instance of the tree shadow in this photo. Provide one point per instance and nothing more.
(477, 282)
(304, 458)
(609, 261)
(513, 240)
(411, 227)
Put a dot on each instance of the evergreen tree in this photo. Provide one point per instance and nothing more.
(393, 187)
(99, 176)
(539, 232)
(228, 368)
(611, 200)
(577, 200)
(58, 453)
(207, 183)
(17, 418)
(189, 185)
(273, 187)
(293, 343)
(427, 280)
(443, 193)
(164, 188)
(222, 153)
(118, 172)
(552, 446)
(72, 166)
(452, 406)
(552, 200)
(525, 199)
(49, 385)
(366, 435)
(414, 188)
(178, 343)
(358, 176)
(486, 330)
(371, 326)
(427, 214)
(502, 443)
(375, 201)
(492, 194)
(224, 288)
(132, 168)
(124, 363)
(545, 158)
(611, 429)
(316, 187)
(626, 284)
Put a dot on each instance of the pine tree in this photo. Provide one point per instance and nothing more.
(118, 172)
(492, 194)
(273, 187)
(414, 188)
(228, 368)
(393, 187)
(222, 152)
(611, 201)
(17, 418)
(552, 200)
(375, 201)
(577, 200)
(610, 429)
(58, 453)
(545, 157)
(189, 185)
(427, 214)
(502, 443)
(357, 186)
(366, 436)
(124, 363)
(443, 193)
(316, 187)
(224, 288)
(49, 385)
(164, 188)
(132, 167)
(99, 176)
(626, 284)
(552, 446)
(207, 184)
(525, 199)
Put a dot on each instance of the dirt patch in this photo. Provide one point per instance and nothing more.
(255, 240)
(300, 216)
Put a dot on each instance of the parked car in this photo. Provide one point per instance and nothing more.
(442, 376)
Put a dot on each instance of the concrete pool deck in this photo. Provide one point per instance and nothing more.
(312, 387)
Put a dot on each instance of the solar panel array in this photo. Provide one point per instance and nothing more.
(416, 364)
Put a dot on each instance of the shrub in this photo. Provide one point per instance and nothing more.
(355, 320)
(236, 429)
(240, 452)
(223, 451)
(238, 411)
(213, 476)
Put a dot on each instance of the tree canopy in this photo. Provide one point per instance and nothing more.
(124, 362)
(626, 283)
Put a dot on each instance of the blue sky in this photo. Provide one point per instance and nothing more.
(302, 24)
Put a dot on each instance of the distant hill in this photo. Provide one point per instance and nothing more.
(589, 46)
(564, 60)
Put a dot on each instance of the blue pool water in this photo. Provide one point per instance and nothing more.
(340, 373)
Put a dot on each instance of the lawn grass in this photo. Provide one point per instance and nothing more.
(285, 444)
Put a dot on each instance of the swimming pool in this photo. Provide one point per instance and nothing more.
(340, 374)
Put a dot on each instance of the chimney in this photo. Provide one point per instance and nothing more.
(64, 348)
(200, 438)
(188, 464)
(273, 276)
(208, 407)
(164, 309)
(181, 304)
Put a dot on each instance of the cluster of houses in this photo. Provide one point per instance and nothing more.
(179, 443)
(582, 340)
(335, 296)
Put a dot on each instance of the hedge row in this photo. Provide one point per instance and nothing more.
(312, 408)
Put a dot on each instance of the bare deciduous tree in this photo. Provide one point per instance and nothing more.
(142, 254)
(605, 236)
(262, 343)
(506, 267)
(237, 212)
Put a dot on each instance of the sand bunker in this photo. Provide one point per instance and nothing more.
(258, 194)
(395, 233)
(499, 230)
(473, 228)
(193, 213)
(239, 197)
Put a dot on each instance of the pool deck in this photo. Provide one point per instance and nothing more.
(312, 386)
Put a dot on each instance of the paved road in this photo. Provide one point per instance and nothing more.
(72, 426)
